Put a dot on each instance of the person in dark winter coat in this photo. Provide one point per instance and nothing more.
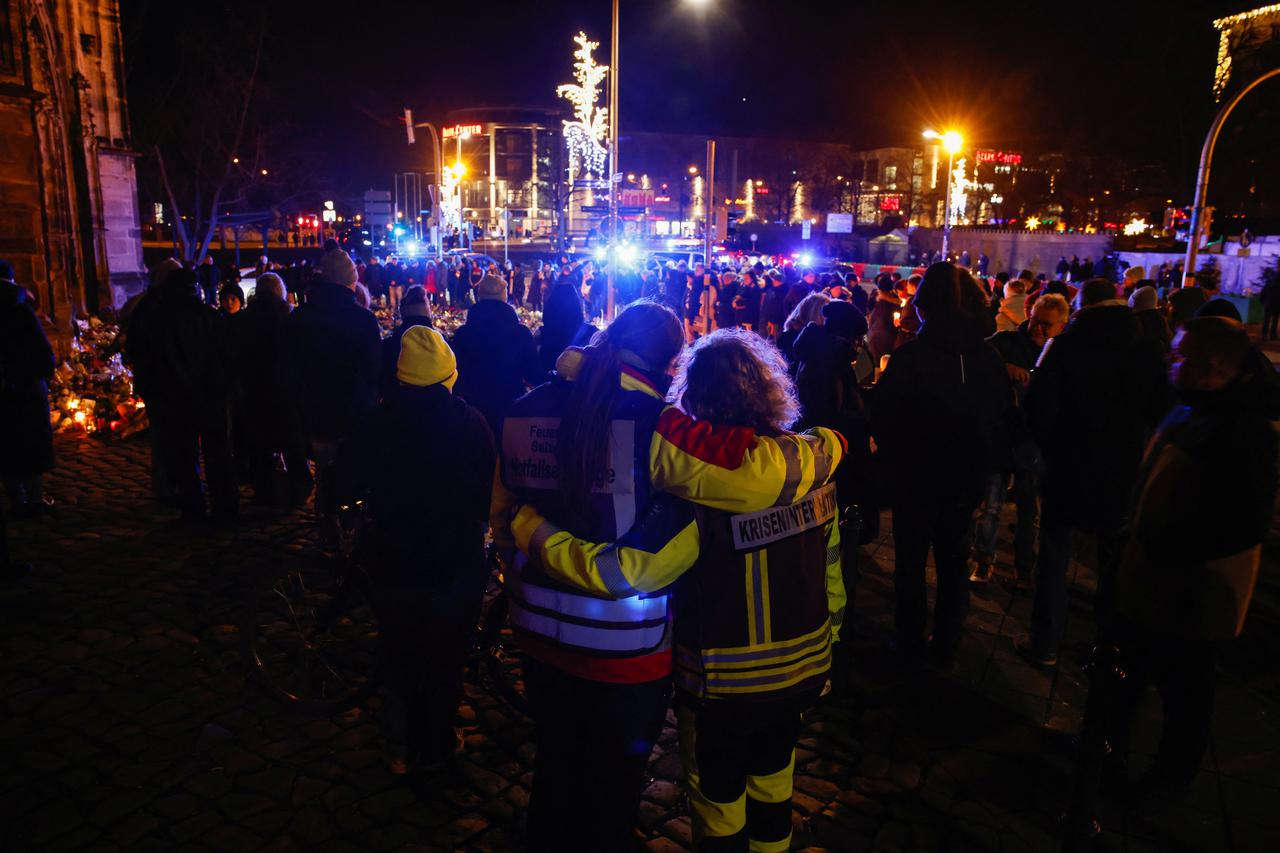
(934, 414)
(414, 311)
(563, 325)
(809, 310)
(883, 330)
(773, 306)
(1145, 303)
(746, 303)
(497, 360)
(179, 350)
(333, 354)
(26, 366)
(430, 507)
(271, 433)
(207, 276)
(1202, 507)
(1095, 397)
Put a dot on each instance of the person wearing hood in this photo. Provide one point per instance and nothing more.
(1145, 302)
(1013, 307)
(1097, 393)
(333, 356)
(497, 360)
(1191, 559)
(563, 325)
(809, 310)
(26, 366)
(430, 507)
(269, 429)
(415, 310)
(934, 416)
(178, 347)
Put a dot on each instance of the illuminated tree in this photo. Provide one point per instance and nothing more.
(585, 135)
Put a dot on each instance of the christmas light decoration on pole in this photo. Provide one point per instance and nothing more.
(1135, 227)
(586, 133)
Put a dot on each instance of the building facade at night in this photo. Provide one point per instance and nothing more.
(70, 221)
(513, 158)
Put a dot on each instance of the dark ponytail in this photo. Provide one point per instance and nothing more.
(646, 331)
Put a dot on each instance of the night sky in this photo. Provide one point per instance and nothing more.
(1131, 79)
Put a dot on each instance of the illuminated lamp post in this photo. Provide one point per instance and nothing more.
(952, 142)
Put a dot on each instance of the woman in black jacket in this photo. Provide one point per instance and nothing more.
(934, 415)
(563, 325)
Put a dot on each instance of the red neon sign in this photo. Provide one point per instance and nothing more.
(891, 202)
(461, 130)
(1004, 158)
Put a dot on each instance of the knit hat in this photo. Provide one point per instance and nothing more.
(1136, 273)
(160, 272)
(491, 287)
(269, 287)
(336, 267)
(414, 302)
(1144, 299)
(425, 359)
(843, 320)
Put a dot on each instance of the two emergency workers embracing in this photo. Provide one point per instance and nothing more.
(700, 542)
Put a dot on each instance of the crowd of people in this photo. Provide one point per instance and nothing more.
(680, 493)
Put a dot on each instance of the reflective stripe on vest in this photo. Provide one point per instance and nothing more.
(589, 625)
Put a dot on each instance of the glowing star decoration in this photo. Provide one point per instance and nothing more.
(1032, 223)
(959, 193)
(586, 133)
(1135, 227)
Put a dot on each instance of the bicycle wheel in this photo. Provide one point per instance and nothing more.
(501, 673)
(310, 638)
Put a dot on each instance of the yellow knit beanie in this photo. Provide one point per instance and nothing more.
(425, 359)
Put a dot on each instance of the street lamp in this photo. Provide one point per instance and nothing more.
(952, 142)
(615, 68)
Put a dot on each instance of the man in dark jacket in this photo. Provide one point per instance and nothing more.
(334, 354)
(1017, 452)
(26, 366)
(208, 279)
(1191, 558)
(827, 388)
(934, 415)
(270, 431)
(496, 356)
(773, 306)
(429, 505)
(178, 347)
(1098, 392)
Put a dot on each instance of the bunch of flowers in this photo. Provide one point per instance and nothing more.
(92, 391)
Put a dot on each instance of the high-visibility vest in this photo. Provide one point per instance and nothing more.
(754, 618)
(624, 641)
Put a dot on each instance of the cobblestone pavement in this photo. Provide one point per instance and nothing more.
(128, 723)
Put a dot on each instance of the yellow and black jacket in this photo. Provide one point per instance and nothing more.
(759, 612)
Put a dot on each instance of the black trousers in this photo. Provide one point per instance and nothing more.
(1182, 669)
(739, 760)
(1270, 319)
(424, 636)
(593, 742)
(948, 529)
(181, 436)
